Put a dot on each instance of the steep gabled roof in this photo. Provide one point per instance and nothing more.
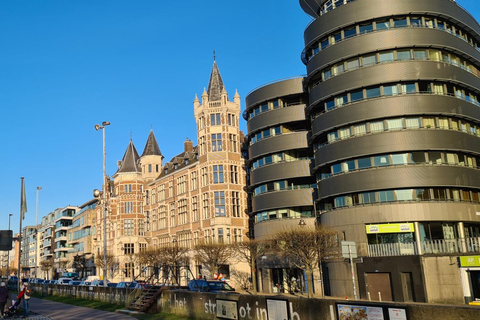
(151, 147)
(130, 159)
(215, 86)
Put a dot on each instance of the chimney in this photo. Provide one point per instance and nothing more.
(188, 145)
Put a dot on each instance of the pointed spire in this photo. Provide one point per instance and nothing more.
(151, 147)
(196, 101)
(215, 86)
(130, 160)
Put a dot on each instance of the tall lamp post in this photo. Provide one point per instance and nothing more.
(8, 254)
(104, 202)
(36, 236)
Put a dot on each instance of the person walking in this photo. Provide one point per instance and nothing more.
(27, 293)
(3, 298)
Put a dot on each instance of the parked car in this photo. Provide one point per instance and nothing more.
(214, 286)
(127, 284)
(75, 282)
(98, 283)
(64, 281)
(86, 283)
(112, 284)
(39, 281)
(47, 281)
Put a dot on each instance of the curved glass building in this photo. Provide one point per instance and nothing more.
(393, 106)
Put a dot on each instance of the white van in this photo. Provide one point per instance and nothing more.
(91, 278)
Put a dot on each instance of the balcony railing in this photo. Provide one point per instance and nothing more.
(468, 245)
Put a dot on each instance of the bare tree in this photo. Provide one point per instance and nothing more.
(248, 251)
(213, 255)
(173, 257)
(307, 249)
(112, 264)
(150, 258)
(46, 266)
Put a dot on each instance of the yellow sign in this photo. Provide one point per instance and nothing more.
(470, 261)
(390, 228)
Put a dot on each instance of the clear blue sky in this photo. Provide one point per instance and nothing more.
(67, 65)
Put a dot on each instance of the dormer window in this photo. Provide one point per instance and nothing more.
(166, 171)
(175, 166)
(187, 161)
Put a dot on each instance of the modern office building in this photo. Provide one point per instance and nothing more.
(47, 246)
(63, 221)
(80, 239)
(393, 103)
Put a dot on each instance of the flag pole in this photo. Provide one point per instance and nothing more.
(22, 198)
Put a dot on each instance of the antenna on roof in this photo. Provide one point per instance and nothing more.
(131, 135)
(214, 56)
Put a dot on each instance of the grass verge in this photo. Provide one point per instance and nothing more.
(104, 306)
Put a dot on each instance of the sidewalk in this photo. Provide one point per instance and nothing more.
(49, 310)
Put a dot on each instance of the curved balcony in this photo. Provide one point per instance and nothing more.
(274, 90)
(265, 229)
(277, 171)
(276, 117)
(397, 141)
(358, 11)
(389, 39)
(392, 73)
(285, 141)
(401, 211)
(399, 177)
(394, 106)
(282, 199)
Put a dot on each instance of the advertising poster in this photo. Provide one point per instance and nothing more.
(277, 309)
(349, 312)
(397, 314)
(227, 309)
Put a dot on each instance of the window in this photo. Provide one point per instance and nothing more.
(367, 197)
(365, 28)
(234, 174)
(386, 57)
(215, 119)
(381, 161)
(420, 54)
(369, 59)
(359, 129)
(205, 211)
(219, 203)
(129, 248)
(400, 158)
(377, 126)
(395, 124)
(353, 64)
(216, 142)
(372, 92)
(232, 119)
(128, 227)
(364, 163)
(408, 88)
(412, 122)
(382, 25)
(404, 55)
(233, 142)
(356, 95)
(218, 174)
(399, 22)
(386, 196)
(404, 195)
(347, 33)
(235, 204)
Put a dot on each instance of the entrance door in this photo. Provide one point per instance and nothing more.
(378, 283)
(407, 287)
(475, 280)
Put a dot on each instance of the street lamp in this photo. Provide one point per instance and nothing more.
(36, 236)
(104, 202)
(8, 254)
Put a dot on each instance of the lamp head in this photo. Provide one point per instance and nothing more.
(97, 127)
(105, 123)
(97, 193)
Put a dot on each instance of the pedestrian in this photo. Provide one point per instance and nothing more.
(3, 298)
(27, 293)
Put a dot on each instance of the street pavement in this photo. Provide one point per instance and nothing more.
(49, 310)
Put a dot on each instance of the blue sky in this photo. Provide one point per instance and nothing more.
(67, 65)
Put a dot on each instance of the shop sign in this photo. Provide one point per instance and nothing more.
(470, 261)
(390, 228)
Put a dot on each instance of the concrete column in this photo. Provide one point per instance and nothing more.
(418, 239)
(461, 237)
